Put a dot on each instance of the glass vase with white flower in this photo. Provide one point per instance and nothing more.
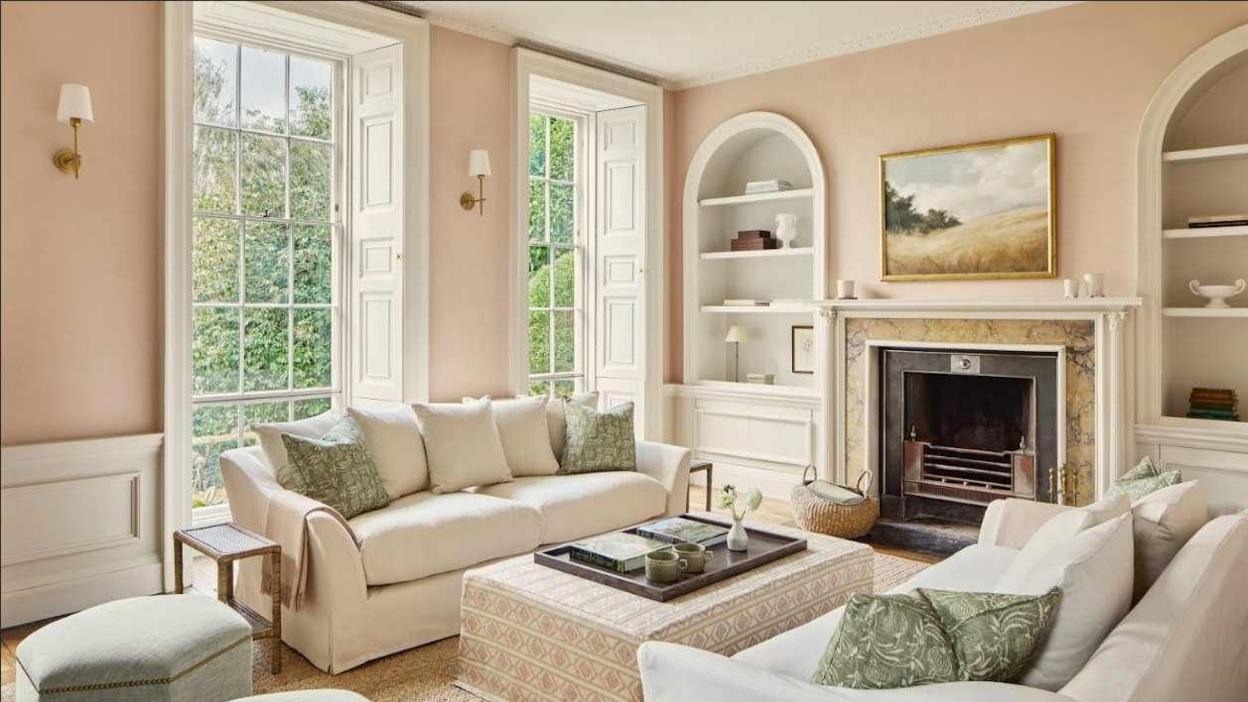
(739, 505)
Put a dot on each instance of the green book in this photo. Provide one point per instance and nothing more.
(678, 530)
(620, 552)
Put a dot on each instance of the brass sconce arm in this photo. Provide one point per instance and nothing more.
(467, 201)
(65, 160)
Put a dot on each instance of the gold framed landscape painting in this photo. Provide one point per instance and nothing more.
(975, 211)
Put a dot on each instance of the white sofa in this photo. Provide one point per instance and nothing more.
(1187, 639)
(400, 586)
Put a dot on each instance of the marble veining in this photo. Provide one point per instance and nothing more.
(1077, 336)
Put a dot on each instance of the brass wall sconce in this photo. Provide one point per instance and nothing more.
(479, 166)
(74, 109)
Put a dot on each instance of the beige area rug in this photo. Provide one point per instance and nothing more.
(424, 674)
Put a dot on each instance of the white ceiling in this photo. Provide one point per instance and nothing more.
(692, 43)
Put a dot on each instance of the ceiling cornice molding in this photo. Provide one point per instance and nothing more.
(980, 16)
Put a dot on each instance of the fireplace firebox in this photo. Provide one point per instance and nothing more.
(963, 428)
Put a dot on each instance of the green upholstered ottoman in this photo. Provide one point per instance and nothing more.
(308, 696)
(168, 647)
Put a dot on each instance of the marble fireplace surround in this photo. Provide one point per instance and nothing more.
(1089, 331)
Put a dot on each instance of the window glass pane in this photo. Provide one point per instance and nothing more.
(537, 145)
(264, 176)
(214, 260)
(310, 115)
(539, 276)
(539, 342)
(216, 76)
(565, 341)
(261, 413)
(537, 210)
(312, 407)
(266, 261)
(562, 149)
(214, 430)
(313, 350)
(263, 90)
(309, 181)
(314, 264)
(561, 213)
(264, 348)
(565, 278)
(539, 389)
(563, 388)
(214, 164)
(214, 350)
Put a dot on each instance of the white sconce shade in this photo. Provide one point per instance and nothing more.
(479, 162)
(736, 335)
(75, 103)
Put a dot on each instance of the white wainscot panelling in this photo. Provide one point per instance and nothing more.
(753, 444)
(1224, 474)
(80, 524)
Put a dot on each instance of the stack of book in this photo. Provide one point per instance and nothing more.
(773, 185)
(1231, 220)
(754, 240)
(620, 552)
(1213, 403)
(678, 530)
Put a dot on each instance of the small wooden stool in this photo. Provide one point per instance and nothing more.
(699, 464)
(226, 543)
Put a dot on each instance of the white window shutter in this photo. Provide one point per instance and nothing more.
(377, 235)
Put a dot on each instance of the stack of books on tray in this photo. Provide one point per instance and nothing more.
(1231, 220)
(773, 185)
(754, 240)
(1213, 403)
(678, 530)
(620, 552)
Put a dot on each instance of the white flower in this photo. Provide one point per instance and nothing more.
(753, 499)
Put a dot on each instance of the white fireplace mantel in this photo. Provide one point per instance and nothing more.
(1056, 307)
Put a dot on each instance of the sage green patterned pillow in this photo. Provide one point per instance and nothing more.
(1139, 487)
(1143, 469)
(995, 636)
(599, 441)
(336, 469)
(887, 641)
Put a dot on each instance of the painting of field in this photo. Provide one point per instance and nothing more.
(978, 211)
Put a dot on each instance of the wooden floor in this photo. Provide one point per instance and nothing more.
(203, 575)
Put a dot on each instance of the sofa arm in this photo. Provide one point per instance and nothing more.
(670, 466)
(674, 673)
(249, 484)
(1010, 522)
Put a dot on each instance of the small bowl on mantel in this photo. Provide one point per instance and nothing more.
(1216, 294)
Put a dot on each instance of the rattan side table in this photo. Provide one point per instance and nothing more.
(224, 544)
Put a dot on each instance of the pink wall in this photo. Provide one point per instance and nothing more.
(1085, 72)
(80, 276)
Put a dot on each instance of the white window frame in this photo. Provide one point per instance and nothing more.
(178, 30)
(528, 64)
(581, 239)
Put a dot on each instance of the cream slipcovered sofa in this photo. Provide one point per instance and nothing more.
(400, 586)
(1187, 639)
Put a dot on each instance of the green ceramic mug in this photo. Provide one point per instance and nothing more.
(693, 557)
(662, 566)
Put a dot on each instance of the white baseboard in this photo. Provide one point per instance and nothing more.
(72, 595)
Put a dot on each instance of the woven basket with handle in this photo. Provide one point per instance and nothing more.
(819, 514)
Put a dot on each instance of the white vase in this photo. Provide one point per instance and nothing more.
(738, 539)
(786, 229)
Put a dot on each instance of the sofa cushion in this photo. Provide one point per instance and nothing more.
(1163, 521)
(336, 469)
(576, 506)
(523, 427)
(557, 421)
(462, 445)
(424, 534)
(796, 652)
(885, 642)
(599, 441)
(393, 437)
(270, 435)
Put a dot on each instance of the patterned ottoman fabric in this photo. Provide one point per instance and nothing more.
(529, 632)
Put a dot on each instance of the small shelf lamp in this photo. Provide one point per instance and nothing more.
(736, 335)
(73, 109)
(479, 166)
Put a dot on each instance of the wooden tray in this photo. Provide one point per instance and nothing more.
(764, 547)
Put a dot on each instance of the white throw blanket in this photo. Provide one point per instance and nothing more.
(287, 524)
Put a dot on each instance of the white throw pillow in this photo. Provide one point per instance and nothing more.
(462, 445)
(522, 427)
(275, 451)
(1094, 571)
(393, 437)
(1163, 522)
(557, 419)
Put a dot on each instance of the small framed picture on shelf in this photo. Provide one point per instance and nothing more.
(803, 338)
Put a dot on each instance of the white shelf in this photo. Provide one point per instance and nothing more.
(766, 253)
(1204, 232)
(795, 194)
(759, 389)
(1205, 312)
(1212, 153)
(758, 309)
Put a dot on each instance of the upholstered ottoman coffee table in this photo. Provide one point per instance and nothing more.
(530, 632)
